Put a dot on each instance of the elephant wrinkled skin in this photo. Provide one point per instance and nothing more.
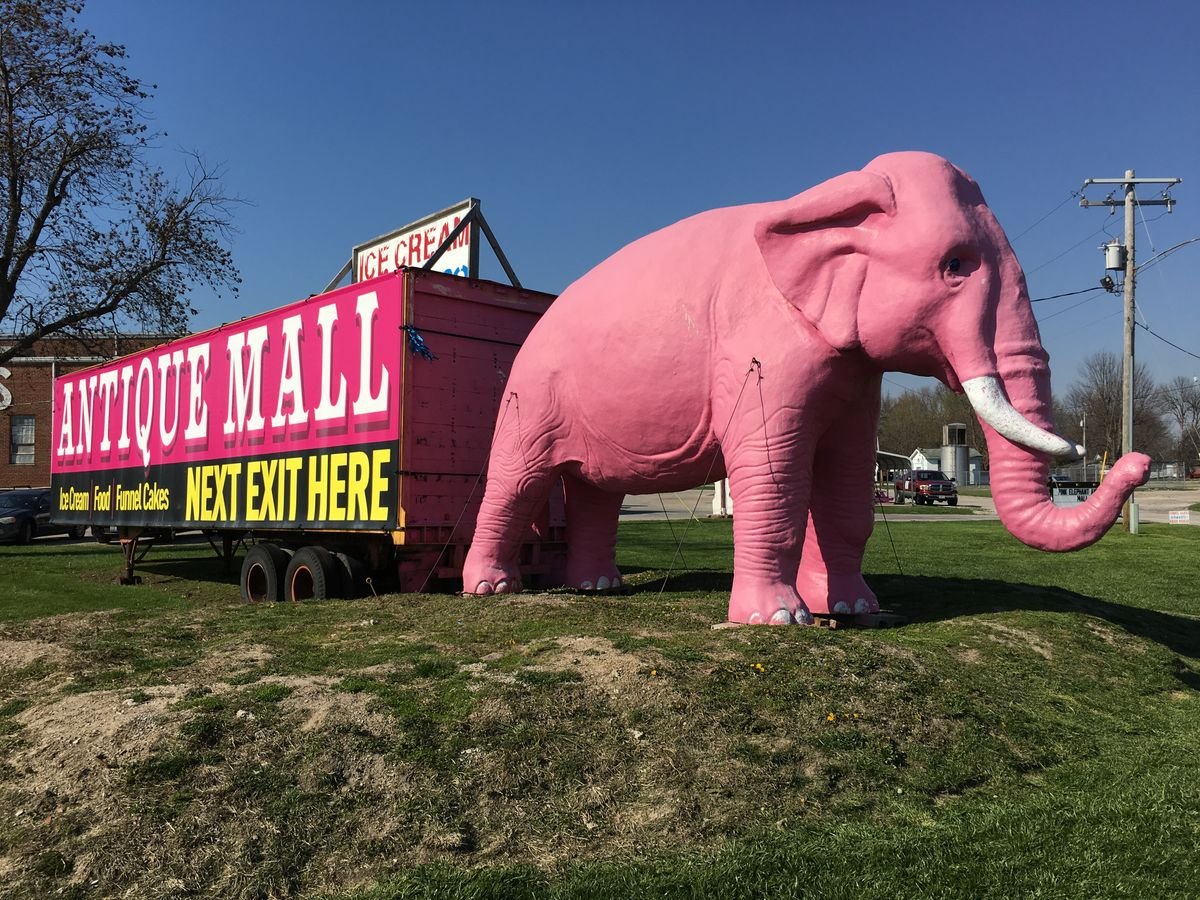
(750, 342)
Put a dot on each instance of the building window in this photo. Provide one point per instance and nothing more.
(22, 440)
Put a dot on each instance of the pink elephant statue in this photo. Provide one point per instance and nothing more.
(750, 342)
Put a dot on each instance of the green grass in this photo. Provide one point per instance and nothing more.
(1030, 732)
(974, 490)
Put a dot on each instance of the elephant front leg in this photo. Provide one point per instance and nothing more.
(841, 515)
(771, 499)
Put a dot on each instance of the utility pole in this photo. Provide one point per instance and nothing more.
(1130, 265)
(1083, 425)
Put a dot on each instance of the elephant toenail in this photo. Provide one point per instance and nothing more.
(484, 588)
(755, 619)
(602, 583)
(841, 608)
(782, 617)
(861, 606)
(587, 586)
(617, 582)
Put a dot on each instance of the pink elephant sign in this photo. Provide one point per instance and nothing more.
(757, 354)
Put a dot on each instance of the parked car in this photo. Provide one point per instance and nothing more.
(926, 486)
(25, 514)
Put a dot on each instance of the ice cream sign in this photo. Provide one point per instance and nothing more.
(414, 245)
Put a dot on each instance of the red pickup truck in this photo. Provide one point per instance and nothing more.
(925, 486)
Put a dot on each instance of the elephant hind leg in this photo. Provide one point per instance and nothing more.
(592, 516)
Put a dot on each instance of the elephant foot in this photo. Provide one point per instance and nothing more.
(767, 604)
(484, 578)
(592, 575)
(826, 594)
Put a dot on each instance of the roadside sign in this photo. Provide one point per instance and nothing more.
(1179, 517)
(1069, 493)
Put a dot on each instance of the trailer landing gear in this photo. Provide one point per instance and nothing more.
(129, 549)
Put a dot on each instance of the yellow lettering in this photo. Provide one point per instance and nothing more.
(217, 511)
(270, 504)
(292, 467)
(318, 488)
(356, 486)
(253, 513)
(206, 493)
(233, 471)
(379, 482)
(337, 487)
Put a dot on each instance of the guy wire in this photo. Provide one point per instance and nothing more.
(888, 528)
(471, 496)
(721, 442)
(670, 525)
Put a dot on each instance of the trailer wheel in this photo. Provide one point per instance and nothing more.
(262, 574)
(311, 575)
(353, 574)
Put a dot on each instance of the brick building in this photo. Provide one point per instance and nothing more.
(27, 395)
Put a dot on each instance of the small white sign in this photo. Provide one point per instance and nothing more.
(1179, 517)
(1070, 494)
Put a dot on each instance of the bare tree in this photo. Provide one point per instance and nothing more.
(92, 237)
(1097, 395)
(1181, 404)
(915, 419)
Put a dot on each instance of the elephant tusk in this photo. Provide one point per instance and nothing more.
(988, 400)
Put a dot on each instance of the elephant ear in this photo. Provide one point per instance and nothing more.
(815, 248)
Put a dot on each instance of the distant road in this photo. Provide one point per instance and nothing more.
(1154, 505)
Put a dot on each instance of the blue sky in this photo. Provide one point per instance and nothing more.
(583, 126)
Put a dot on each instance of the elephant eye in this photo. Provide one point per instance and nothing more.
(954, 264)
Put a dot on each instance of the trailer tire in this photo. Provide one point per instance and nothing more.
(354, 574)
(311, 575)
(262, 574)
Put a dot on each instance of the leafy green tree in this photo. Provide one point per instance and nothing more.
(93, 237)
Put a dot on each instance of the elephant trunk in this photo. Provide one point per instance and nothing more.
(1020, 461)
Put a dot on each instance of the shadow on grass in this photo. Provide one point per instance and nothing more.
(188, 556)
(684, 582)
(923, 599)
(193, 568)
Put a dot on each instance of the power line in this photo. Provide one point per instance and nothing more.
(1068, 294)
(1095, 233)
(1071, 196)
(1165, 341)
(1155, 260)
(1067, 309)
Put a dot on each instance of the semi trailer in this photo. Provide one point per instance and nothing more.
(341, 439)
